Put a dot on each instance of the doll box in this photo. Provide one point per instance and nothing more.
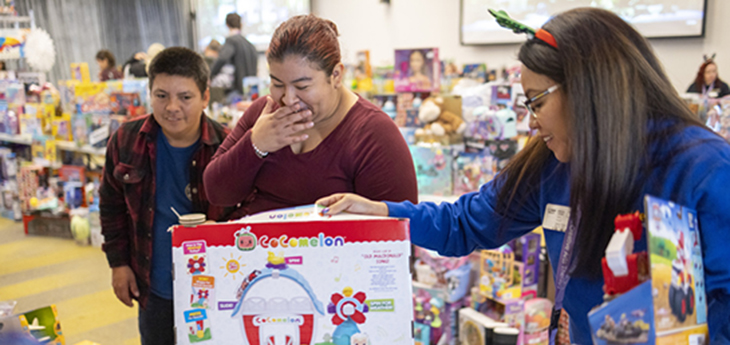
(417, 70)
(293, 277)
(670, 307)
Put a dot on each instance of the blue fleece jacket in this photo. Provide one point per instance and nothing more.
(697, 177)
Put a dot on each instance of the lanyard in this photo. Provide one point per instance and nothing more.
(562, 276)
(706, 89)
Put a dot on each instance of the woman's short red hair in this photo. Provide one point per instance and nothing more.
(309, 36)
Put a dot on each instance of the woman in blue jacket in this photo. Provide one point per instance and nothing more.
(611, 130)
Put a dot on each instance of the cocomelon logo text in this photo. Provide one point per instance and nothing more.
(285, 242)
(267, 320)
(247, 241)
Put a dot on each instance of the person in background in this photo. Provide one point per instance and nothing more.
(312, 136)
(708, 82)
(238, 52)
(152, 164)
(135, 66)
(152, 51)
(211, 52)
(602, 145)
(107, 66)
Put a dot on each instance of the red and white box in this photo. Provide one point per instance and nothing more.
(293, 277)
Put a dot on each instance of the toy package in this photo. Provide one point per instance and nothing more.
(39, 325)
(80, 72)
(127, 103)
(79, 128)
(15, 94)
(383, 79)
(99, 127)
(92, 98)
(433, 169)
(3, 116)
(140, 87)
(417, 70)
(718, 116)
(477, 71)
(30, 120)
(61, 127)
(363, 71)
(293, 277)
(662, 301)
(387, 103)
(251, 88)
(472, 171)
(407, 107)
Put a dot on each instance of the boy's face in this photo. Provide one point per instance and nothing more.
(177, 106)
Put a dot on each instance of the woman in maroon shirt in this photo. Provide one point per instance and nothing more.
(312, 136)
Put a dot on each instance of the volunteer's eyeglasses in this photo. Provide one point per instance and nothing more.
(528, 103)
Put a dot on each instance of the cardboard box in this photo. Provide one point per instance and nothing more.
(671, 307)
(293, 277)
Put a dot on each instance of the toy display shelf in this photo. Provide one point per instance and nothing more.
(88, 149)
(62, 145)
(17, 139)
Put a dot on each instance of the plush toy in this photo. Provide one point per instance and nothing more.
(439, 122)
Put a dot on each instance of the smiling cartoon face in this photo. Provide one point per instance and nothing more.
(246, 241)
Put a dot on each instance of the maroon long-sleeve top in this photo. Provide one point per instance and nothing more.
(365, 154)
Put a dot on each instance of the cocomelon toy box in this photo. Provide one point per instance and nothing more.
(669, 305)
(293, 277)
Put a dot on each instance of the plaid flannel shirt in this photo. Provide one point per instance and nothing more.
(127, 193)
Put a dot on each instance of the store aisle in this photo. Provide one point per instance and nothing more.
(39, 271)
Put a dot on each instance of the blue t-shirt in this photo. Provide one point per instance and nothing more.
(696, 177)
(172, 189)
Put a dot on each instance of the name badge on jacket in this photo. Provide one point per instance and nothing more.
(556, 217)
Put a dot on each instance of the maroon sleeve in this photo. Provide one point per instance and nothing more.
(229, 177)
(385, 168)
(113, 210)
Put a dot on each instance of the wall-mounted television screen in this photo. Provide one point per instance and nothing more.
(653, 18)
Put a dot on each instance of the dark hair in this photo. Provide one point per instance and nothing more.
(425, 67)
(108, 56)
(614, 87)
(700, 79)
(182, 62)
(233, 20)
(214, 45)
(309, 36)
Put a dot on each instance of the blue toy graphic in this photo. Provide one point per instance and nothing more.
(349, 311)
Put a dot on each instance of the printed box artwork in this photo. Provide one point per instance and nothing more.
(293, 277)
(417, 70)
(670, 308)
(433, 169)
(472, 171)
(407, 107)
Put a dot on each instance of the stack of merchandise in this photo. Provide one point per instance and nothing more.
(96, 109)
(509, 284)
(10, 200)
(439, 291)
(56, 199)
(494, 289)
(463, 127)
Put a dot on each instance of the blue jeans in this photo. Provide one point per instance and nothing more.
(156, 322)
